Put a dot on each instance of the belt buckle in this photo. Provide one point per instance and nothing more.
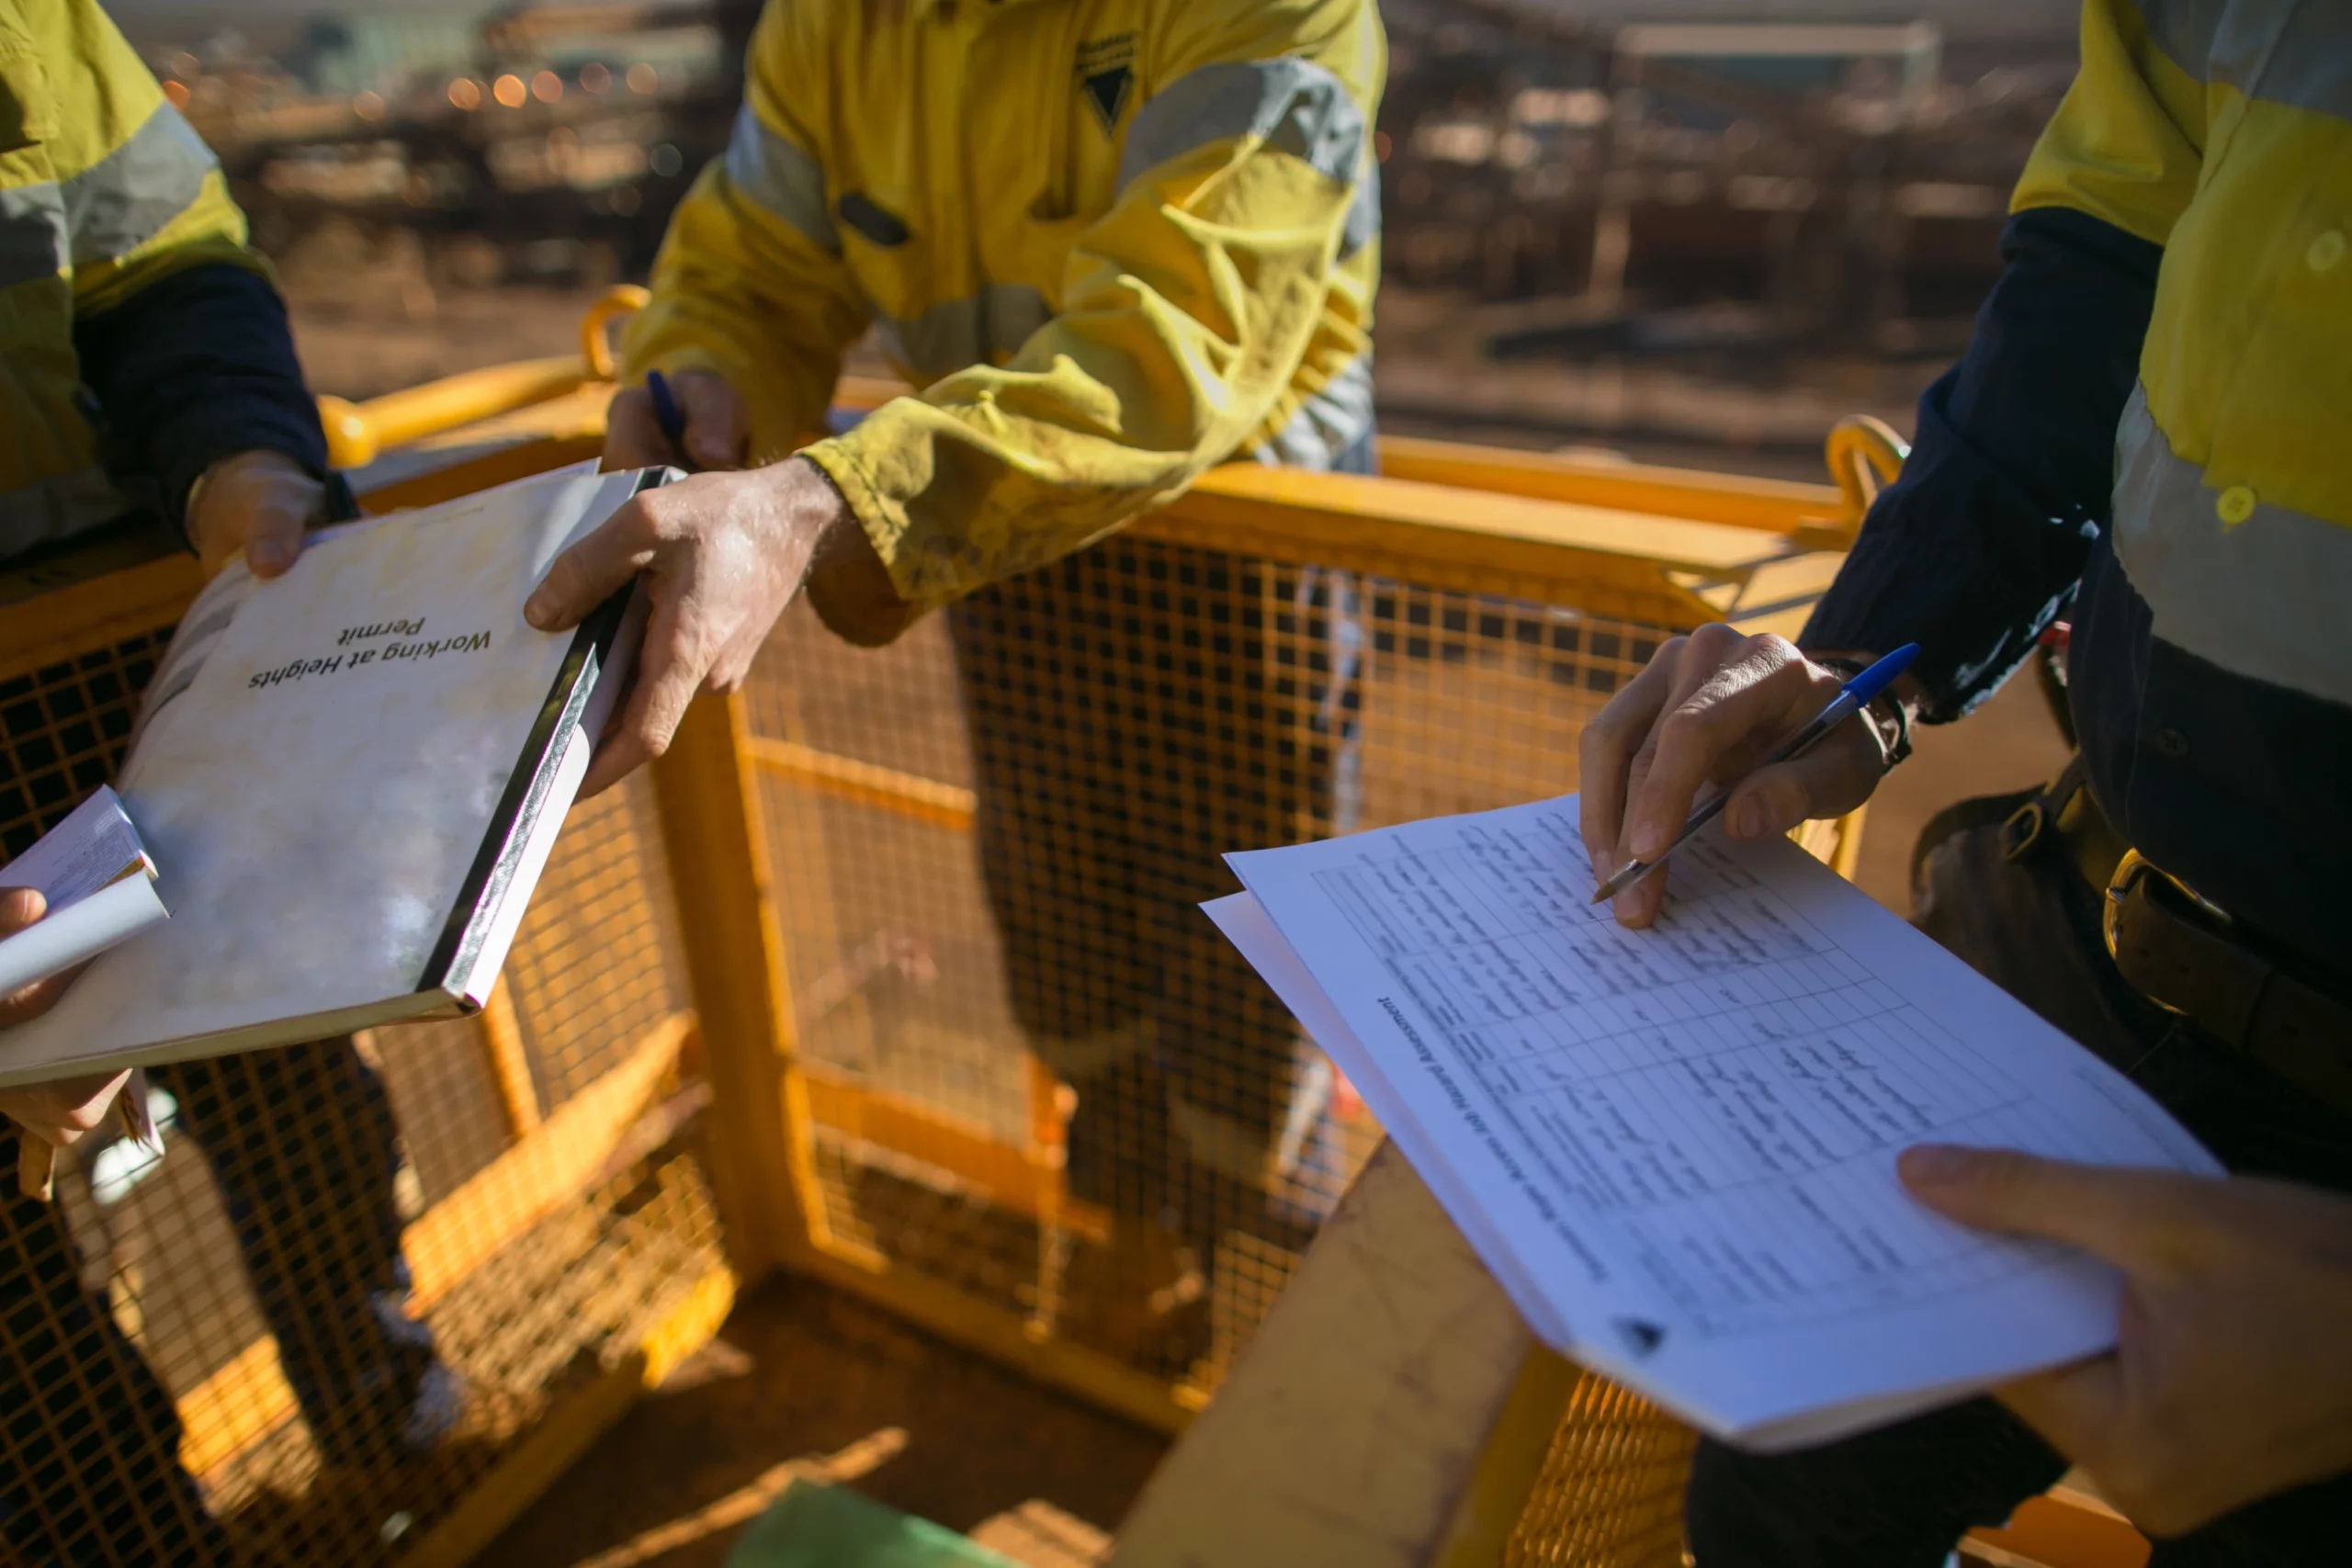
(2022, 829)
(2129, 872)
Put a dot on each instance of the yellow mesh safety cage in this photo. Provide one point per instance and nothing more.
(560, 1233)
(889, 974)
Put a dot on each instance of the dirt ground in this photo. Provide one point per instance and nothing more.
(800, 1370)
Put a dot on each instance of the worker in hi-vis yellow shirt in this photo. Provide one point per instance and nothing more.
(2150, 437)
(1112, 242)
(147, 377)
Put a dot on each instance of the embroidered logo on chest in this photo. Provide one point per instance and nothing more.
(1106, 78)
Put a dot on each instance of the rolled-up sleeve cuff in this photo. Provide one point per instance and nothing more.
(1951, 559)
(203, 436)
(876, 468)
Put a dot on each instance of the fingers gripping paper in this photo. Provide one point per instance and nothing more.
(1676, 1148)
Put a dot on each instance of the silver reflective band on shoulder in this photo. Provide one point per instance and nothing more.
(2300, 55)
(2183, 30)
(967, 332)
(32, 233)
(1362, 226)
(1296, 106)
(778, 177)
(124, 199)
(1327, 425)
(57, 508)
(2262, 598)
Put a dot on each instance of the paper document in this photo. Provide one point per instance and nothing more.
(98, 883)
(1675, 1148)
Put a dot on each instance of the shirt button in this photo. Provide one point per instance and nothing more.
(2327, 250)
(2170, 742)
(2236, 505)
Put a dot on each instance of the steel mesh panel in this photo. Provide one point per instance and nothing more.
(210, 1360)
(447, 1103)
(62, 732)
(1036, 1073)
(896, 984)
(1610, 1494)
(596, 962)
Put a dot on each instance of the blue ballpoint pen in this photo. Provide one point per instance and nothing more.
(1851, 698)
(668, 416)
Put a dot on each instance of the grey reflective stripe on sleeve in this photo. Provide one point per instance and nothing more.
(124, 199)
(779, 177)
(2274, 50)
(1295, 104)
(2287, 53)
(2183, 30)
(32, 233)
(2262, 598)
(962, 333)
(1362, 226)
(1327, 425)
(58, 508)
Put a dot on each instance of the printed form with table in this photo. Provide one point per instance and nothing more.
(1675, 1148)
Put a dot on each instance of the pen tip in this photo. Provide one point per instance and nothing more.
(1600, 894)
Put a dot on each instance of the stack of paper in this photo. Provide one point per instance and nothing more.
(1676, 1148)
(100, 886)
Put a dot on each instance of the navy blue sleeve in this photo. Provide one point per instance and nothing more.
(193, 368)
(1978, 546)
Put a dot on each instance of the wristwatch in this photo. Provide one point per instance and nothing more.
(1888, 716)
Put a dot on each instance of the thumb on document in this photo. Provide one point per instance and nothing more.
(21, 908)
(2118, 1214)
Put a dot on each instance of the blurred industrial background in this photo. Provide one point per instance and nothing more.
(1687, 228)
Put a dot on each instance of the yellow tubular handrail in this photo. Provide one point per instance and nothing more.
(595, 342)
(358, 432)
(1864, 455)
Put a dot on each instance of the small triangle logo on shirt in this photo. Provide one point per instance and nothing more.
(1106, 93)
(1642, 1339)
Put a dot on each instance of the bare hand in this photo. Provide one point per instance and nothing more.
(723, 555)
(2232, 1377)
(257, 502)
(1707, 709)
(718, 427)
(19, 907)
(64, 1111)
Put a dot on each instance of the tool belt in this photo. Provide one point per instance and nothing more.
(2187, 955)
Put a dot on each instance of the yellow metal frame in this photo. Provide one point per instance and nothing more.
(1692, 545)
(555, 1157)
(1865, 455)
(359, 432)
(1686, 545)
(1751, 551)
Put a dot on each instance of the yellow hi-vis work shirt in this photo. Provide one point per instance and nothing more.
(104, 191)
(2222, 130)
(1113, 240)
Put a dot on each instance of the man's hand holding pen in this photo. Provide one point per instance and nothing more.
(1713, 707)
